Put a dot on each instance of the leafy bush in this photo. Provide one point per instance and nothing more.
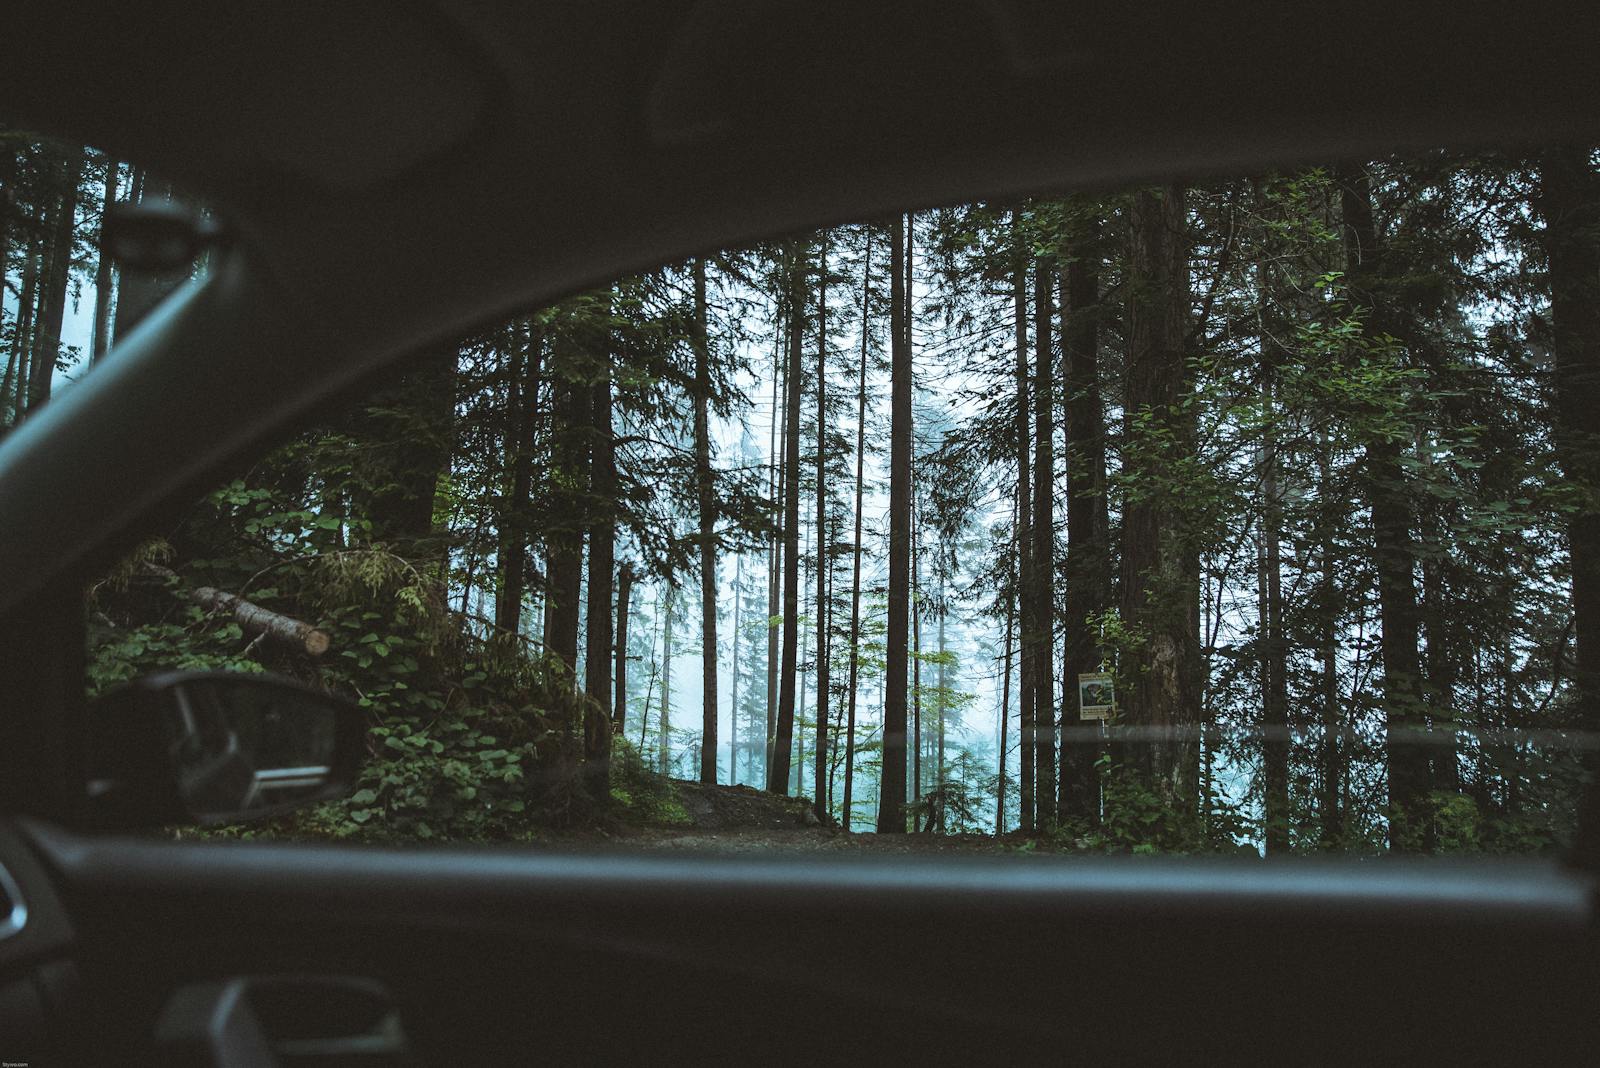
(640, 794)
(1141, 820)
(469, 738)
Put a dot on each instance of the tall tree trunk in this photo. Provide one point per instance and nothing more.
(1005, 713)
(892, 790)
(1044, 547)
(101, 339)
(58, 275)
(833, 724)
(407, 431)
(1027, 677)
(916, 539)
(1394, 553)
(1274, 660)
(564, 540)
(619, 711)
(733, 666)
(655, 674)
(22, 329)
(798, 765)
(664, 734)
(943, 679)
(1160, 565)
(8, 174)
(783, 744)
(1569, 200)
(780, 373)
(1274, 655)
(855, 566)
(916, 658)
(1441, 627)
(1332, 751)
(705, 491)
(1088, 572)
(522, 401)
(821, 754)
(602, 560)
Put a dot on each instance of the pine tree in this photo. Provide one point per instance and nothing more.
(1160, 566)
(706, 494)
(892, 778)
(783, 743)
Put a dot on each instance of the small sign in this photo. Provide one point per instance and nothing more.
(1096, 697)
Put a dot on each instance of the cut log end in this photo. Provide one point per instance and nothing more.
(317, 642)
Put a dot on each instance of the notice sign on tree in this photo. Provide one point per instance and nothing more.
(1096, 698)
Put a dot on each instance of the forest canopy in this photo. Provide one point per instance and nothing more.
(1255, 514)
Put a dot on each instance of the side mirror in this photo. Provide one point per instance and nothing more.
(215, 747)
(156, 236)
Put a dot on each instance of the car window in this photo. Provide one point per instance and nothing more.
(1250, 515)
(65, 303)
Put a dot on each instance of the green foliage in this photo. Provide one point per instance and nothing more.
(959, 802)
(470, 739)
(450, 779)
(1141, 820)
(639, 793)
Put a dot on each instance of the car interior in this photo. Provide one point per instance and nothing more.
(386, 177)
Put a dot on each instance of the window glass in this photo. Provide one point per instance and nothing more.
(64, 302)
(1249, 516)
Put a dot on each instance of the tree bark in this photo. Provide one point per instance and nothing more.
(572, 410)
(1027, 678)
(22, 330)
(252, 618)
(916, 657)
(733, 670)
(1394, 553)
(1005, 714)
(821, 753)
(8, 159)
(1332, 753)
(406, 431)
(522, 400)
(782, 750)
(780, 373)
(664, 734)
(706, 500)
(602, 561)
(257, 620)
(1088, 572)
(892, 792)
(619, 710)
(1044, 549)
(101, 339)
(1160, 565)
(1274, 655)
(1569, 200)
(58, 275)
(942, 684)
(855, 566)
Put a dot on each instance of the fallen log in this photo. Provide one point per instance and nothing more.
(253, 619)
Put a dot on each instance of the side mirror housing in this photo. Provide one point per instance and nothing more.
(203, 748)
(156, 236)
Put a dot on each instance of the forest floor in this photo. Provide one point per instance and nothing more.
(742, 819)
